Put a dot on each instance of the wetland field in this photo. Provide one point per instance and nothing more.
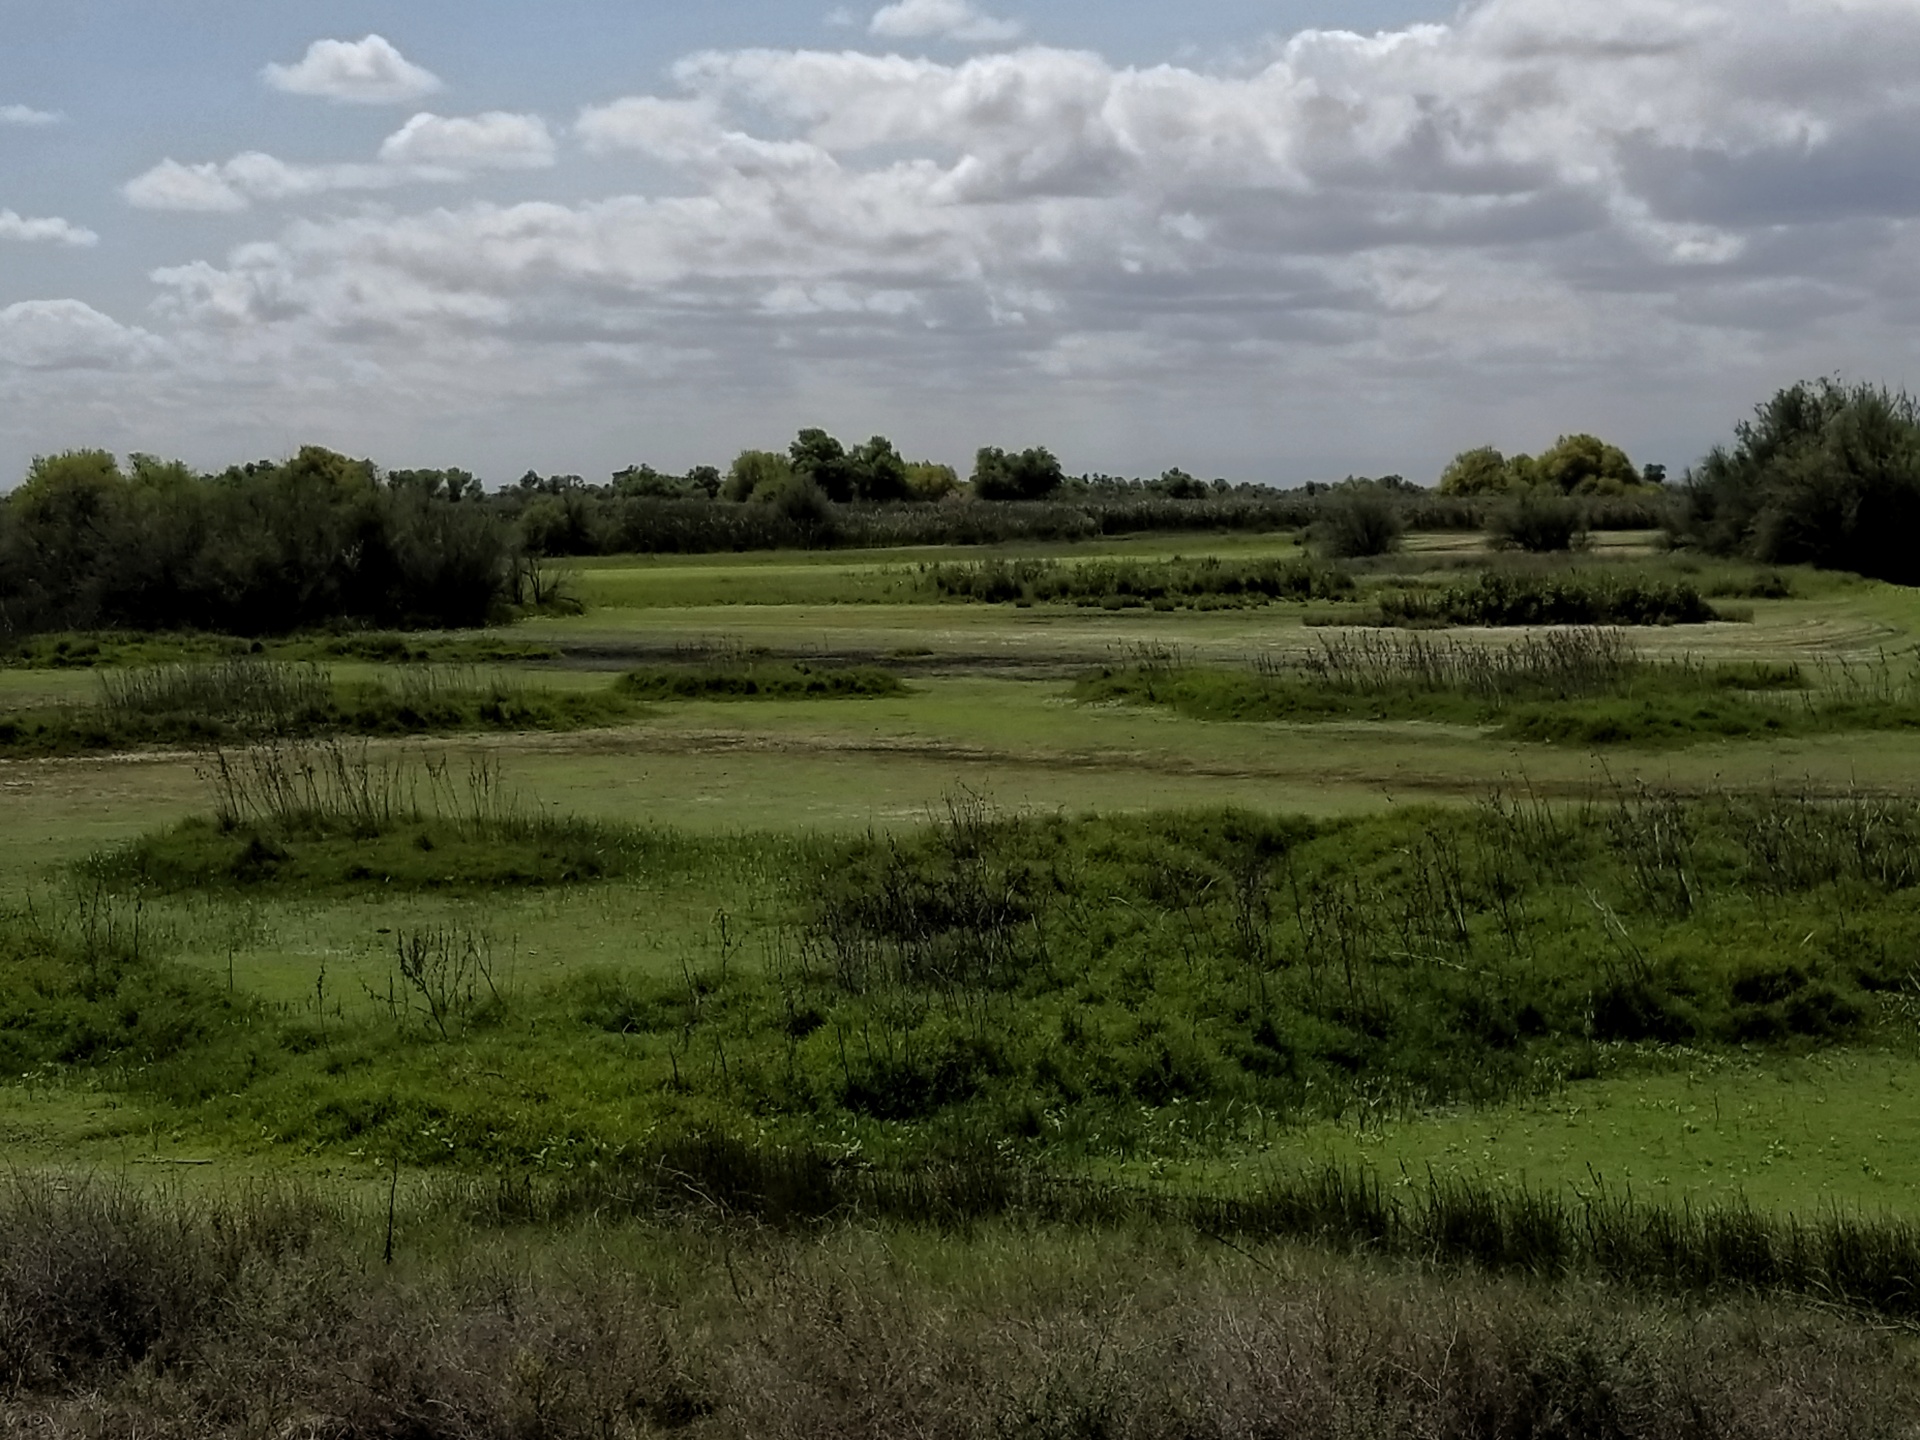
(1176, 985)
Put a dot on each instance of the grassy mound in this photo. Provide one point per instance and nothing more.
(750, 681)
(412, 853)
(1155, 986)
(237, 700)
(1581, 687)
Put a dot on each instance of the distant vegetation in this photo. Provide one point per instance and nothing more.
(259, 550)
(748, 680)
(1503, 598)
(1204, 584)
(238, 700)
(1823, 474)
(1573, 687)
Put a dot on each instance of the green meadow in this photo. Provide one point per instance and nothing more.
(1186, 902)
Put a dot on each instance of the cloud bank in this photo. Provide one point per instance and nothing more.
(1422, 237)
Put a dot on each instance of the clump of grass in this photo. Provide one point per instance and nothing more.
(1561, 664)
(330, 815)
(237, 700)
(1209, 583)
(1576, 686)
(746, 680)
(263, 1317)
(1502, 598)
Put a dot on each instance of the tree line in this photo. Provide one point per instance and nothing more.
(1823, 473)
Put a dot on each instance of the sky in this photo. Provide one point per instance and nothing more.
(1273, 240)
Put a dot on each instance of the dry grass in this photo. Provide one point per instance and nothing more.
(124, 1317)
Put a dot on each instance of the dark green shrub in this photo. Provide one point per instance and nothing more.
(1537, 521)
(1356, 523)
(1824, 474)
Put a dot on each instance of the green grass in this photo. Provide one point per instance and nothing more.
(113, 649)
(1176, 584)
(232, 701)
(747, 680)
(1583, 689)
(1114, 991)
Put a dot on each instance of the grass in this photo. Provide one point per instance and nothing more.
(726, 1012)
(229, 701)
(1125, 989)
(1579, 688)
(1500, 598)
(254, 1316)
(748, 680)
(1205, 584)
(115, 649)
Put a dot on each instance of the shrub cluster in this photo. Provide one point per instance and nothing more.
(1823, 474)
(1132, 584)
(263, 549)
(1500, 598)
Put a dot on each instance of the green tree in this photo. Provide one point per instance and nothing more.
(1587, 465)
(754, 471)
(929, 481)
(1480, 471)
(1029, 475)
(878, 472)
(824, 460)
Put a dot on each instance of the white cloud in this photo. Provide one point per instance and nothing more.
(357, 72)
(493, 141)
(1535, 205)
(68, 335)
(945, 19)
(173, 186)
(56, 231)
(26, 115)
(428, 149)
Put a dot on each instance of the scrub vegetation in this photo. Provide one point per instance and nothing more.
(624, 1007)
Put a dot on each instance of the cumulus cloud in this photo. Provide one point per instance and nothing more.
(1531, 194)
(355, 72)
(493, 141)
(27, 116)
(68, 335)
(943, 19)
(428, 149)
(51, 230)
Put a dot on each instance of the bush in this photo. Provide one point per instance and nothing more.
(1538, 522)
(262, 549)
(1356, 523)
(1824, 474)
(1502, 599)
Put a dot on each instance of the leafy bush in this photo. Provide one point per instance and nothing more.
(1537, 522)
(1823, 474)
(261, 550)
(1498, 598)
(1131, 584)
(758, 682)
(1356, 522)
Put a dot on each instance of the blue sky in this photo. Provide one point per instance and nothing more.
(1274, 241)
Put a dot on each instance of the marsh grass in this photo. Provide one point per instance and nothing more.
(1201, 584)
(1573, 686)
(334, 813)
(244, 698)
(271, 1314)
(749, 679)
(1502, 597)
